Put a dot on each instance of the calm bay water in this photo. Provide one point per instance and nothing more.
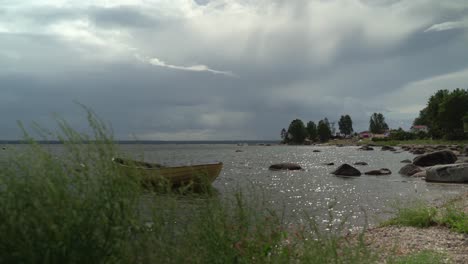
(306, 193)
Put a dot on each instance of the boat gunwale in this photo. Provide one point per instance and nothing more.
(172, 167)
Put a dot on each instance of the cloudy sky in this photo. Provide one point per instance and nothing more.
(226, 69)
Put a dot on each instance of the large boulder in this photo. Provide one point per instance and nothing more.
(435, 158)
(285, 166)
(409, 170)
(346, 170)
(453, 173)
(383, 171)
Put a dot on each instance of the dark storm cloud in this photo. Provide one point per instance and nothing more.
(287, 62)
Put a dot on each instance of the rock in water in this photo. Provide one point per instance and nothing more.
(388, 148)
(406, 161)
(285, 166)
(362, 163)
(453, 173)
(366, 148)
(409, 170)
(346, 170)
(435, 158)
(383, 171)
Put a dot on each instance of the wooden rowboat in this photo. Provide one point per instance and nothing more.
(156, 174)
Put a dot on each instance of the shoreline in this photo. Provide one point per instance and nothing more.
(397, 241)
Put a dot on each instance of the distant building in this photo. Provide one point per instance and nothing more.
(365, 134)
(420, 128)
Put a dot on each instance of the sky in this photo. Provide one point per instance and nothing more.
(225, 69)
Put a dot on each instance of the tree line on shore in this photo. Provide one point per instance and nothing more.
(445, 116)
(298, 133)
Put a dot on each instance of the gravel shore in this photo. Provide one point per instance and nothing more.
(391, 241)
(398, 241)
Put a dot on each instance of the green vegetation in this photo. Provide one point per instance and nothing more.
(297, 132)
(418, 215)
(423, 257)
(390, 142)
(444, 114)
(312, 130)
(323, 130)
(455, 218)
(423, 215)
(345, 125)
(71, 208)
(377, 124)
(77, 206)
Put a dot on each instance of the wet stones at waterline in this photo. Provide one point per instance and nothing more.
(383, 171)
(285, 166)
(384, 148)
(367, 148)
(361, 163)
(409, 170)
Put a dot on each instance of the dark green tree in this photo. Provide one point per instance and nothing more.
(284, 135)
(377, 124)
(429, 116)
(345, 125)
(451, 112)
(323, 130)
(311, 130)
(444, 113)
(297, 132)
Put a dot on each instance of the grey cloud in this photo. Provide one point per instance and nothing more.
(121, 16)
(281, 73)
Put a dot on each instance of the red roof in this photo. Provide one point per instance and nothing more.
(420, 126)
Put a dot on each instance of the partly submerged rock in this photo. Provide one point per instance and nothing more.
(346, 170)
(316, 150)
(366, 148)
(421, 174)
(362, 163)
(453, 173)
(388, 148)
(435, 158)
(409, 170)
(285, 166)
(330, 164)
(383, 171)
(418, 151)
(406, 161)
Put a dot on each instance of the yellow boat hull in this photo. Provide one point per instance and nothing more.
(196, 175)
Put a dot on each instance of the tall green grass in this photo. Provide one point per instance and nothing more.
(417, 214)
(68, 208)
(76, 206)
(423, 257)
